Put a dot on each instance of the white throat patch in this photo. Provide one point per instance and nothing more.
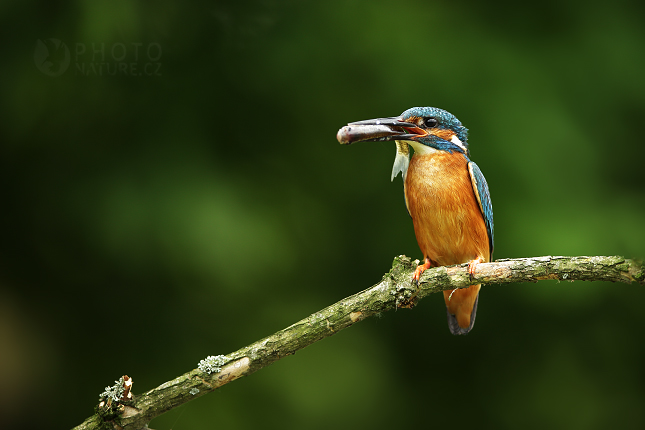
(458, 142)
(420, 148)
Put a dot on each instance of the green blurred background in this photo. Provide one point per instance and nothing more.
(177, 191)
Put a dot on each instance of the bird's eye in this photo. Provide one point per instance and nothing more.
(430, 122)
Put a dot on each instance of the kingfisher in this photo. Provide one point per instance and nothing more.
(446, 196)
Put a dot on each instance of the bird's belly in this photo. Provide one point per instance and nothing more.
(448, 222)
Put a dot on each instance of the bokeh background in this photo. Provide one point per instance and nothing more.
(172, 188)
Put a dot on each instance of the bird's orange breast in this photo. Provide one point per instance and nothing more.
(448, 222)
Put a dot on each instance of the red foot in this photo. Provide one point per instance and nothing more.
(411, 302)
(472, 265)
(420, 269)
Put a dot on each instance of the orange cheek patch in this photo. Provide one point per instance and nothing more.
(443, 134)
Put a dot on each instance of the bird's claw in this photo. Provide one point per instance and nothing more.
(419, 271)
(472, 266)
(417, 274)
(410, 302)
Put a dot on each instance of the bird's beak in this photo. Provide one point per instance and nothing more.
(379, 130)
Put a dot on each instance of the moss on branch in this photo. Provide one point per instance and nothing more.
(393, 291)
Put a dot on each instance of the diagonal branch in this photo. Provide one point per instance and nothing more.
(393, 291)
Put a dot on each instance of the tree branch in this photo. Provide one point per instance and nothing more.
(395, 290)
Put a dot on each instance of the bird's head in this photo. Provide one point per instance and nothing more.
(426, 129)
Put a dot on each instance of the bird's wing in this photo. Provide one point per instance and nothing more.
(480, 187)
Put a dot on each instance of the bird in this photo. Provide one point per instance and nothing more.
(446, 196)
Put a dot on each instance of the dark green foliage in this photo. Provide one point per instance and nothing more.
(196, 208)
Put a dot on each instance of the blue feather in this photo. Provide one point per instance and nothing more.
(442, 145)
(483, 196)
(445, 118)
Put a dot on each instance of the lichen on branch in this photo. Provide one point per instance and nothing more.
(395, 290)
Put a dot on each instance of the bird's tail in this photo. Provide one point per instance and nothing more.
(461, 307)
